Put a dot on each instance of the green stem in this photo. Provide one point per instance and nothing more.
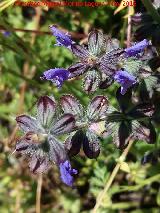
(112, 177)
(152, 10)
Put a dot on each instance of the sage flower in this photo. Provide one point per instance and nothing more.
(6, 33)
(98, 61)
(126, 122)
(137, 48)
(125, 79)
(84, 137)
(56, 75)
(63, 39)
(40, 141)
(66, 173)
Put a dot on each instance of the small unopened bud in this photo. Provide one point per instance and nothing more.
(137, 18)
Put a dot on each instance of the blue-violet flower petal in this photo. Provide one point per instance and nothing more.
(63, 39)
(66, 173)
(125, 79)
(6, 33)
(137, 48)
(56, 75)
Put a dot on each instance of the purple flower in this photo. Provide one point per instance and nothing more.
(6, 33)
(66, 173)
(137, 48)
(63, 39)
(125, 79)
(86, 138)
(56, 75)
(40, 140)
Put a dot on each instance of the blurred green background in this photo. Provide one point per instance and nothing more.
(24, 56)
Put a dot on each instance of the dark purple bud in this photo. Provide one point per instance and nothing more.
(137, 48)
(137, 18)
(67, 173)
(125, 79)
(146, 158)
(56, 75)
(63, 39)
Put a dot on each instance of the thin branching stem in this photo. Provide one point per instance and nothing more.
(38, 193)
(129, 29)
(112, 177)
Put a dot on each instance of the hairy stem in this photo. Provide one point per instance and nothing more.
(112, 177)
(152, 10)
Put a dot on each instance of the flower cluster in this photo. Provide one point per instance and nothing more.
(84, 134)
(40, 141)
(101, 62)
